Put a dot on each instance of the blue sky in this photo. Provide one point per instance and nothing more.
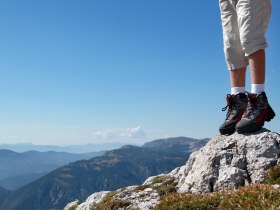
(97, 71)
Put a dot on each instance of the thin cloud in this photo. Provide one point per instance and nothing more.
(120, 134)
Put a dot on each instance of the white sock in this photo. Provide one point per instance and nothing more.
(236, 90)
(257, 88)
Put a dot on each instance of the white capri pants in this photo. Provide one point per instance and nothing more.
(244, 24)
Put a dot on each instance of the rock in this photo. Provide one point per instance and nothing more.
(229, 162)
(92, 200)
(276, 186)
(71, 205)
(143, 199)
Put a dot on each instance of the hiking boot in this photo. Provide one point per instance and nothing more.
(236, 105)
(257, 112)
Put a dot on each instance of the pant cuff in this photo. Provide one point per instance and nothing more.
(234, 66)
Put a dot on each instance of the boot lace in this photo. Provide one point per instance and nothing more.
(254, 103)
(231, 105)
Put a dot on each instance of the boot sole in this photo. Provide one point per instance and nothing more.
(227, 131)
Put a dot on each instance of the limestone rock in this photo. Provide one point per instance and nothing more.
(72, 205)
(276, 186)
(144, 199)
(229, 162)
(92, 200)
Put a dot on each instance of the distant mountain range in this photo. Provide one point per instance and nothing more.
(79, 149)
(126, 166)
(3, 194)
(18, 169)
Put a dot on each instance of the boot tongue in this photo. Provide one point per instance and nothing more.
(252, 97)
